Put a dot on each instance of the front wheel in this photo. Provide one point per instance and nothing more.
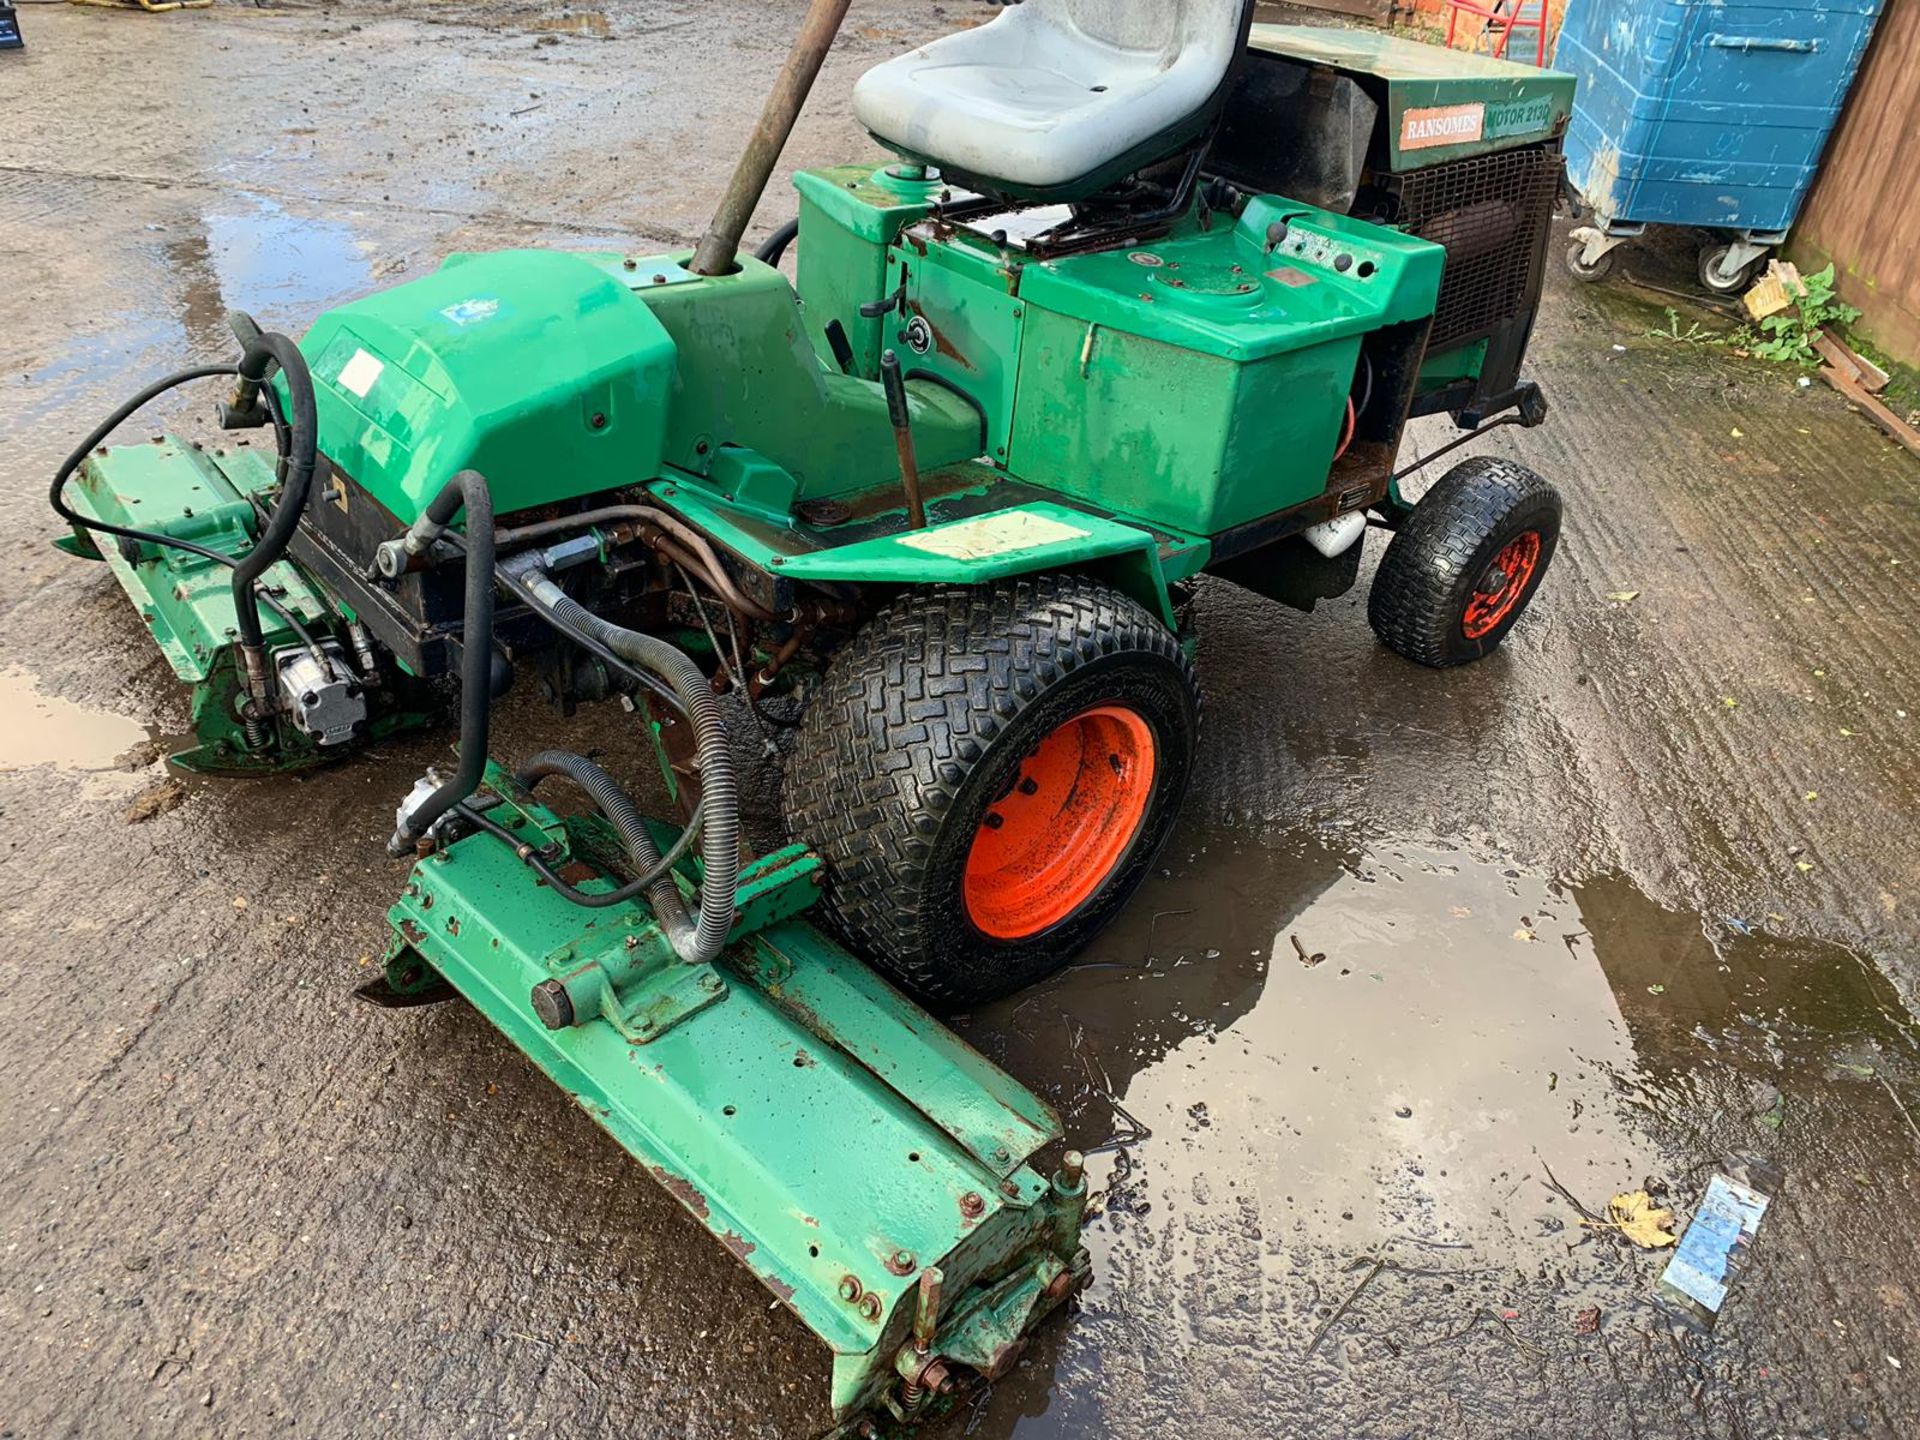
(1466, 564)
(1719, 281)
(988, 772)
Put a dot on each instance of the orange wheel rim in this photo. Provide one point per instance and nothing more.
(1054, 839)
(1501, 587)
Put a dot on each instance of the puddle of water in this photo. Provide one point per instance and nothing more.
(1299, 1061)
(259, 257)
(39, 729)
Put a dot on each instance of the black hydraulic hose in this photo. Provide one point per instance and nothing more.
(469, 489)
(297, 461)
(56, 497)
(636, 886)
(652, 877)
(516, 586)
(720, 842)
(775, 245)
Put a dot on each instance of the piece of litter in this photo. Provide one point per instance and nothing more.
(1717, 1240)
(1619, 349)
(1728, 701)
(1587, 1322)
(1813, 795)
(1737, 433)
(1623, 596)
(1803, 866)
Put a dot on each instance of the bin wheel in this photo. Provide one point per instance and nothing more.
(1466, 564)
(1719, 284)
(988, 772)
(1578, 267)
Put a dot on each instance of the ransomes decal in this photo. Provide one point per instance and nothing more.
(1442, 125)
(1424, 129)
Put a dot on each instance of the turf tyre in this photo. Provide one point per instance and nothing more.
(925, 720)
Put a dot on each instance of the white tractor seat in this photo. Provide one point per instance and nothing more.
(1052, 91)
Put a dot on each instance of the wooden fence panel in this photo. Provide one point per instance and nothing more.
(1864, 212)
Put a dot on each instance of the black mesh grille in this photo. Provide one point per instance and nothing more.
(1491, 213)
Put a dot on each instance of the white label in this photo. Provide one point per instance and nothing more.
(359, 373)
(1442, 125)
(992, 535)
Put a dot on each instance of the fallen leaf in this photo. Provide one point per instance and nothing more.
(1635, 1216)
(1728, 701)
(1803, 866)
(1587, 1322)
(239, 902)
(1524, 934)
(1460, 912)
(1623, 596)
(1737, 433)
(1656, 989)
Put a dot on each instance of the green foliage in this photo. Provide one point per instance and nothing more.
(1787, 338)
(1692, 335)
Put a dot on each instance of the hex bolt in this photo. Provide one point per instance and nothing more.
(849, 1288)
(870, 1306)
(711, 984)
(1001, 1155)
(902, 1262)
(1073, 1167)
(972, 1205)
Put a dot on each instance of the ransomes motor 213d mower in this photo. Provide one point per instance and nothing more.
(1145, 292)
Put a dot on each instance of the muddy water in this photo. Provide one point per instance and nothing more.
(1342, 1105)
(41, 729)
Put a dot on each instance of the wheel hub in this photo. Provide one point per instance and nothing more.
(1052, 841)
(1502, 586)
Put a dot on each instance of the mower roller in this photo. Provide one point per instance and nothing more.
(1146, 293)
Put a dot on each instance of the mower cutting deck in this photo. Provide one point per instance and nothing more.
(1161, 308)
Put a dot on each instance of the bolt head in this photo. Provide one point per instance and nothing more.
(870, 1306)
(849, 1288)
(972, 1204)
(902, 1262)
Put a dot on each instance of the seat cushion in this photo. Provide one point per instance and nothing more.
(1040, 98)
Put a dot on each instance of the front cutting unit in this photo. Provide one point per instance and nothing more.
(1144, 294)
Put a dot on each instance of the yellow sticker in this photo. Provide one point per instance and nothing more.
(992, 535)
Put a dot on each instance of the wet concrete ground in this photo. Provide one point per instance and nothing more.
(1633, 895)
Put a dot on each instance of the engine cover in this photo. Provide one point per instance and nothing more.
(540, 369)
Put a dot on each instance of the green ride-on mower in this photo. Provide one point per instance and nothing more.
(1144, 292)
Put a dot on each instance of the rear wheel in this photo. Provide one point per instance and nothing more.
(1466, 564)
(988, 772)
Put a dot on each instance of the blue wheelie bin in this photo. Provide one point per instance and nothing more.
(1705, 113)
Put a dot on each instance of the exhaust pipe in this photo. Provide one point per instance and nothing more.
(719, 248)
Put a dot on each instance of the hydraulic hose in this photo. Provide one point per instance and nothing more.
(297, 461)
(720, 840)
(775, 245)
(468, 489)
(618, 807)
(56, 497)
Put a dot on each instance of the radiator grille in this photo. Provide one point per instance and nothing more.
(1491, 213)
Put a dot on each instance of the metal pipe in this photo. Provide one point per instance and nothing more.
(719, 247)
(902, 420)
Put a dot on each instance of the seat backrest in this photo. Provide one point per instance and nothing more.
(1207, 30)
